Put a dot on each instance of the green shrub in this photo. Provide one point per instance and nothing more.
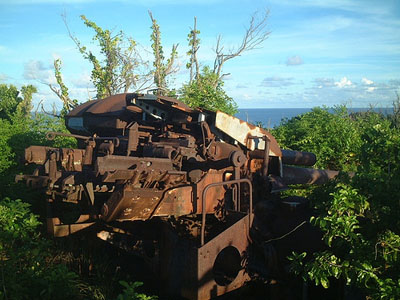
(130, 292)
(333, 137)
(27, 268)
(359, 216)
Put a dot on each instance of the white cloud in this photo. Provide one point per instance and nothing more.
(83, 81)
(247, 97)
(366, 81)
(324, 83)
(344, 83)
(3, 77)
(328, 92)
(294, 61)
(277, 81)
(368, 84)
(227, 77)
(37, 70)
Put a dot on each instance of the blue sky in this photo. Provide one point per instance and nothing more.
(319, 52)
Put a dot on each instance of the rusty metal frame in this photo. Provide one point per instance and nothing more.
(223, 183)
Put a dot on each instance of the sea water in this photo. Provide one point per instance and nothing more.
(271, 117)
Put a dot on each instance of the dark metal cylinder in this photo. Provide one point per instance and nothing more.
(298, 158)
(290, 157)
(296, 175)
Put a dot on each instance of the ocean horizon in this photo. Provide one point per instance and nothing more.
(272, 117)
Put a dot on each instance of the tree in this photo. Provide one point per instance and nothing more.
(62, 91)
(12, 103)
(25, 106)
(255, 34)
(162, 68)
(205, 89)
(194, 44)
(202, 93)
(121, 67)
(20, 129)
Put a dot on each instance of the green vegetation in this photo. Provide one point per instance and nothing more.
(358, 216)
(28, 268)
(62, 91)
(31, 266)
(161, 68)
(201, 93)
(119, 67)
(130, 293)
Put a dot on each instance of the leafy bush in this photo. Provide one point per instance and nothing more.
(20, 129)
(129, 292)
(333, 137)
(27, 268)
(207, 92)
(359, 216)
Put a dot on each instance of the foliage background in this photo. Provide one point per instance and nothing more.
(358, 216)
(32, 266)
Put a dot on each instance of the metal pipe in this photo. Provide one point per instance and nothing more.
(300, 158)
(266, 157)
(290, 157)
(51, 135)
(297, 175)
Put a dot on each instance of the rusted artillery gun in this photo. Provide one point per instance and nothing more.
(179, 185)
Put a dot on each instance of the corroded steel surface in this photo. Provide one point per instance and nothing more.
(241, 130)
(181, 179)
(219, 276)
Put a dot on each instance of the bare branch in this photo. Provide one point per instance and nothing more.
(72, 37)
(256, 33)
(48, 113)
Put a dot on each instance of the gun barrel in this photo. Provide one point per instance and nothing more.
(299, 158)
(290, 157)
(296, 175)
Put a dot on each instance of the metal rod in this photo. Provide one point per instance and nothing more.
(266, 157)
(203, 208)
(51, 136)
(234, 197)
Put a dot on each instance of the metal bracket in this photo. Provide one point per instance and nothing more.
(236, 182)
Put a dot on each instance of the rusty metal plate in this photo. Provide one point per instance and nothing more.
(176, 201)
(57, 229)
(112, 163)
(214, 197)
(241, 131)
(209, 278)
